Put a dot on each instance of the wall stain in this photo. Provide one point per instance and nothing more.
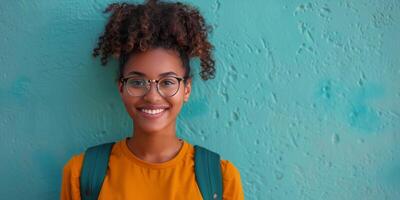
(353, 102)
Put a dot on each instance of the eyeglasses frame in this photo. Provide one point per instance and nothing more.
(123, 80)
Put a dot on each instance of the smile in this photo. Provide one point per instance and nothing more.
(152, 111)
(152, 114)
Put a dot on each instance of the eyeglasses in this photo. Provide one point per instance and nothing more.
(167, 86)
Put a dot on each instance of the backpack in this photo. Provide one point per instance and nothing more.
(207, 171)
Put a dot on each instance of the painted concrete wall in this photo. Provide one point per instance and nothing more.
(306, 102)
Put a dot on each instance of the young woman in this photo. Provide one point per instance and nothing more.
(153, 42)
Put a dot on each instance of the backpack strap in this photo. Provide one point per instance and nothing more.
(207, 170)
(208, 173)
(94, 170)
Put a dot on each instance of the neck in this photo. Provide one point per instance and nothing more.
(155, 147)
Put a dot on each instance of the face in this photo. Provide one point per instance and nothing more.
(153, 112)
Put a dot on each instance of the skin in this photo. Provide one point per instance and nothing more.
(155, 140)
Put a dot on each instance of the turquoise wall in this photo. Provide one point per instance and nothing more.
(306, 102)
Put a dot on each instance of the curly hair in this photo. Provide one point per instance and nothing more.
(134, 28)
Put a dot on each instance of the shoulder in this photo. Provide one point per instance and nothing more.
(73, 165)
(229, 170)
(231, 179)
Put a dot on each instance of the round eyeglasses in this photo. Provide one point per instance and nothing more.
(167, 86)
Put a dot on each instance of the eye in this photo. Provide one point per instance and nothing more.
(137, 83)
(167, 82)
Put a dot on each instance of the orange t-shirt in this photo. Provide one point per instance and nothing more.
(129, 177)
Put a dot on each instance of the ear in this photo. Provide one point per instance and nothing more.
(188, 89)
(120, 88)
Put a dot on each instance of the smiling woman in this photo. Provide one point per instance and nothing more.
(153, 42)
(152, 113)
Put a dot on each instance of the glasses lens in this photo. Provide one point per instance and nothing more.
(168, 86)
(136, 86)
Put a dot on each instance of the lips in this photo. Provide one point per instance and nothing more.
(153, 107)
(152, 111)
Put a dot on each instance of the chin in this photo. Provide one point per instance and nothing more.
(150, 127)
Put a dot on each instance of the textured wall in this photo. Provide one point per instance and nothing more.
(306, 102)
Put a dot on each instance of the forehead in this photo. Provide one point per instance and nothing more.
(155, 62)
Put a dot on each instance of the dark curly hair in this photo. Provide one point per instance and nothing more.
(134, 28)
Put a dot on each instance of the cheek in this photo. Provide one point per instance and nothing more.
(129, 103)
(179, 97)
(177, 105)
(176, 102)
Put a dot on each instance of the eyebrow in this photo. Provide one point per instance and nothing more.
(142, 74)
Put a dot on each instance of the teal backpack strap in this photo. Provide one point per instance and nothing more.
(208, 173)
(94, 170)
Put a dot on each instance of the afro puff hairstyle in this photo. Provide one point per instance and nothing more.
(135, 28)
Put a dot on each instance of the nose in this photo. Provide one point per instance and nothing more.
(152, 94)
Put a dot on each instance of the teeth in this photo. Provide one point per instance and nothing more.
(152, 112)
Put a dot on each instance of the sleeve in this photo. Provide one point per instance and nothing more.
(70, 178)
(231, 182)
